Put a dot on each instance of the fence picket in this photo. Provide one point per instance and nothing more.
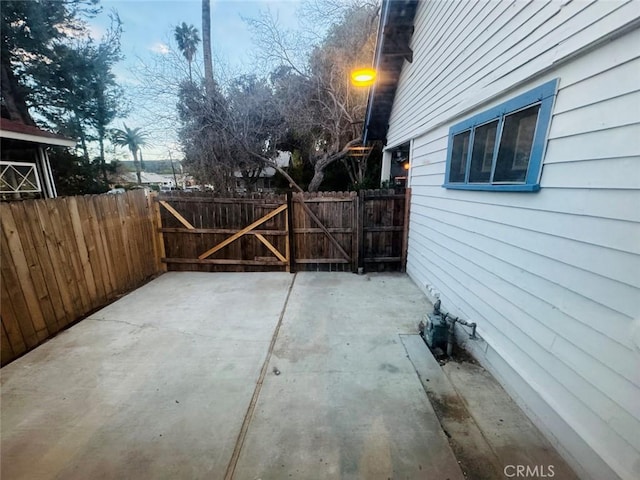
(61, 258)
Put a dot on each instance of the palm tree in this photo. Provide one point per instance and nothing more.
(188, 39)
(133, 139)
(206, 46)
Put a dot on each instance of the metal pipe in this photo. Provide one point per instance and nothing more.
(468, 324)
(450, 337)
(452, 325)
(436, 307)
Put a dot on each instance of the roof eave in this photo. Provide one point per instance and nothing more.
(27, 137)
(392, 48)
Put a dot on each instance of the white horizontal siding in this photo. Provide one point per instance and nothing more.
(576, 402)
(584, 294)
(601, 173)
(611, 113)
(598, 231)
(525, 326)
(599, 86)
(503, 45)
(551, 278)
(598, 145)
(541, 409)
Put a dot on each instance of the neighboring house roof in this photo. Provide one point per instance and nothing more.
(147, 177)
(13, 130)
(283, 160)
(266, 172)
(392, 49)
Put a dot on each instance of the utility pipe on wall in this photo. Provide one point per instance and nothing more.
(452, 325)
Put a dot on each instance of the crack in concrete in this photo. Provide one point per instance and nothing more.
(110, 320)
(155, 327)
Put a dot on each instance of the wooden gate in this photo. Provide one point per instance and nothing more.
(332, 231)
(325, 233)
(384, 227)
(207, 233)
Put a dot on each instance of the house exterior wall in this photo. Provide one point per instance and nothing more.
(551, 278)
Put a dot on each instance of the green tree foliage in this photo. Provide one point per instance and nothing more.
(257, 125)
(74, 175)
(188, 39)
(106, 102)
(32, 32)
(52, 69)
(79, 96)
(133, 139)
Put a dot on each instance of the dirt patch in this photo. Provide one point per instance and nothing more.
(475, 459)
(460, 355)
(474, 466)
(449, 407)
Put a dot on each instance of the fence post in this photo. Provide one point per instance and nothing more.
(354, 231)
(291, 244)
(158, 237)
(360, 230)
(405, 231)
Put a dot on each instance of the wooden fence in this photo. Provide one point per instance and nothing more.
(336, 231)
(63, 258)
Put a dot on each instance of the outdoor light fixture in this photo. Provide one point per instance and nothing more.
(363, 77)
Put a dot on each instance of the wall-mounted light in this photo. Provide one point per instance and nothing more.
(363, 77)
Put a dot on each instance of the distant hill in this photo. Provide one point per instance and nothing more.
(162, 167)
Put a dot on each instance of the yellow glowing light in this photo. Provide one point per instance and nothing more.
(406, 166)
(363, 77)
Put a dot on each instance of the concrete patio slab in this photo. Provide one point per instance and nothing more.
(166, 383)
(155, 385)
(341, 400)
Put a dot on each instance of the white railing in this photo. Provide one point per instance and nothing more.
(19, 177)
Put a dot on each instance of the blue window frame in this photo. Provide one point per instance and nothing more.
(501, 149)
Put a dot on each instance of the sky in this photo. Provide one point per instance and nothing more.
(148, 33)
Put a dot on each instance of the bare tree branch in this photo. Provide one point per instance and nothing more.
(327, 160)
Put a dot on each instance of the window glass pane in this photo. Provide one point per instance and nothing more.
(459, 157)
(515, 145)
(484, 142)
(18, 177)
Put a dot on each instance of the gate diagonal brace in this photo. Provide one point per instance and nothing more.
(271, 247)
(246, 230)
(175, 213)
(323, 228)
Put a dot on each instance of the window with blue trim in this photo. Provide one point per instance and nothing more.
(501, 149)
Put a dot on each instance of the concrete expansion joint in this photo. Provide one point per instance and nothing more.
(256, 393)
